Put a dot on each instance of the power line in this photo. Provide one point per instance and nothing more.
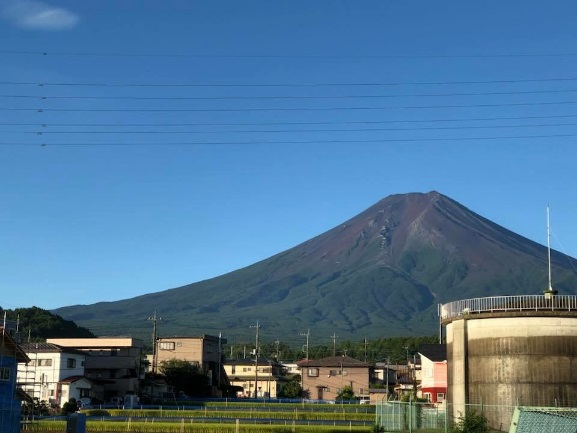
(268, 131)
(242, 143)
(290, 97)
(360, 122)
(269, 109)
(244, 85)
(287, 56)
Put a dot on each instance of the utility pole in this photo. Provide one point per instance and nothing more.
(256, 361)
(154, 319)
(308, 335)
(277, 343)
(334, 337)
(219, 357)
(387, 373)
(365, 350)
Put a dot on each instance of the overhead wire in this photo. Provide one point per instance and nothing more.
(250, 109)
(287, 56)
(292, 97)
(382, 140)
(290, 85)
(253, 131)
(359, 122)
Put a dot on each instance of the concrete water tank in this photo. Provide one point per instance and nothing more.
(510, 350)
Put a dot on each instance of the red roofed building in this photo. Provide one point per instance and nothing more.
(433, 372)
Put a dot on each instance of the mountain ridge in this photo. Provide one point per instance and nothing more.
(381, 271)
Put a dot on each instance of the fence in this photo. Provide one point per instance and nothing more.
(507, 303)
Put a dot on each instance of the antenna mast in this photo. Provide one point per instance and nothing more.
(549, 248)
(550, 292)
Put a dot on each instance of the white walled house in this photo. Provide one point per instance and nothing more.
(114, 362)
(54, 374)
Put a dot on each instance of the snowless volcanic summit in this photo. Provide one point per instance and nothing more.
(381, 273)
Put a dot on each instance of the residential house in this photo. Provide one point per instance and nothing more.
(114, 362)
(55, 374)
(291, 368)
(385, 375)
(409, 377)
(266, 376)
(11, 354)
(204, 351)
(433, 384)
(324, 378)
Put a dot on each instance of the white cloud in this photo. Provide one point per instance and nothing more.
(29, 14)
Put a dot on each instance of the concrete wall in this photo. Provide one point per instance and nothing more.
(514, 360)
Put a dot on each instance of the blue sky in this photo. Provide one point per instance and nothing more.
(186, 139)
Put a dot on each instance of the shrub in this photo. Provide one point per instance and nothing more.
(96, 412)
(471, 422)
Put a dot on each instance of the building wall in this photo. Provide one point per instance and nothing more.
(9, 406)
(243, 375)
(117, 361)
(75, 390)
(515, 360)
(434, 380)
(45, 370)
(202, 350)
(324, 383)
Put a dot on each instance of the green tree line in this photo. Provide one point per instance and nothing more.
(36, 325)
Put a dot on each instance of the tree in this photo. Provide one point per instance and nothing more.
(41, 324)
(292, 388)
(185, 377)
(346, 393)
(70, 406)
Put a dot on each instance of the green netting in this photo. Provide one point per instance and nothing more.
(542, 419)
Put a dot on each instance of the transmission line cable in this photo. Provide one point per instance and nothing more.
(360, 122)
(243, 85)
(270, 109)
(287, 56)
(290, 97)
(252, 131)
(242, 143)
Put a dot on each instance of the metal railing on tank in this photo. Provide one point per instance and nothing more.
(496, 304)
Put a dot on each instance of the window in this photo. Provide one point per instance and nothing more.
(440, 396)
(427, 395)
(71, 363)
(44, 362)
(113, 352)
(313, 372)
(233, 369)
(167, 345)
(245, 369)
(4, 374)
